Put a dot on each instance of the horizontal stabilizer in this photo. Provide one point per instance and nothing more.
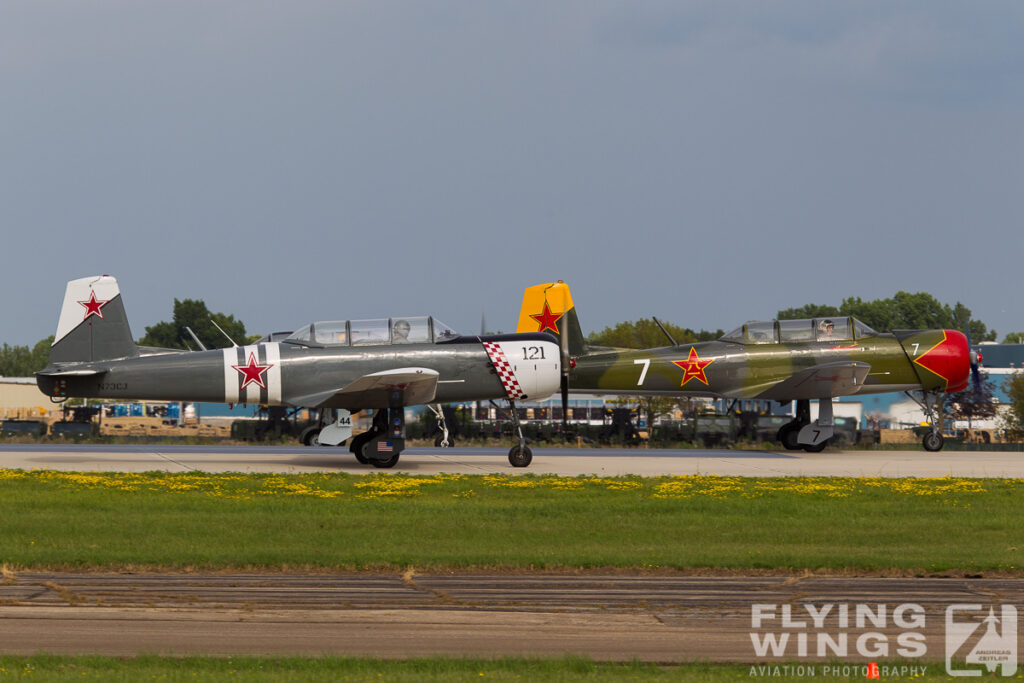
(374, 390)
(827, 380)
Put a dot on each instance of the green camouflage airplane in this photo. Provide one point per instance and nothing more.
(344, 366)
(779, 360)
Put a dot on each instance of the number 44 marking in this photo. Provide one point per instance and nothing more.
(646, 362)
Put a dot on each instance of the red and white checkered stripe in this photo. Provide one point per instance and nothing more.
(505, 373)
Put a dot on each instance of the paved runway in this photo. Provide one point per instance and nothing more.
(664, 619)
(561, 461)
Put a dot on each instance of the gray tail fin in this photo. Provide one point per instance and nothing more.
(92, 325)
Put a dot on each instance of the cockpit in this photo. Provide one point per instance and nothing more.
(795, 331)
(373, 332)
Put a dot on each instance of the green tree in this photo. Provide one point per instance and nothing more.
(1013, 419)
(1014, 338)
(193, 313)
(645, 334)
(809, 311)
(975, 402)
(902, 311)
(22, 361)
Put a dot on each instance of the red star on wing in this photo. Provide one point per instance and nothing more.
(547, 319)
(252, 372)
(693, 367)
(93, 306)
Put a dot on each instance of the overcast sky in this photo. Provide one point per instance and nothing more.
(704, 162)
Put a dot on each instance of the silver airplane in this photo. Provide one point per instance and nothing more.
(349, 365)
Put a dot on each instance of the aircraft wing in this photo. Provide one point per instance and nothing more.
(419, 384)
(827, 380)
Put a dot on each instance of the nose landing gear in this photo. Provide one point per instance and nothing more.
(519, 455)
(933, 440)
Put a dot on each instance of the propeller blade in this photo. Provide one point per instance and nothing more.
(563, 342)
(975, 359)
(565, 406)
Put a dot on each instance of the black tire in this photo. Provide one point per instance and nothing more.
(308, 435)
(816, 448)
(356, 443)
(520, 457)
(385, 464)
(440, 437)
(788, 435)
(932, 442)
(361, 458)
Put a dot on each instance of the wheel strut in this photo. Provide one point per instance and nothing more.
(933, 440)
(445, 440)
(519, 455)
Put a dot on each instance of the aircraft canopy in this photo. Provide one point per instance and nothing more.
(373, 332)
(804, 330)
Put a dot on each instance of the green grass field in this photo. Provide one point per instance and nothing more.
(440, 669)
(166, 521)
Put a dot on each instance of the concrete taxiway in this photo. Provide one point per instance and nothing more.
(664, 619)
(561, 461)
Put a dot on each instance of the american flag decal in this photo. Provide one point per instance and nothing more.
(384, 447)
(505, 372)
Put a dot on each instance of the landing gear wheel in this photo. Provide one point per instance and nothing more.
(440, 437)
(816, 448)
(520, 457)
(385, 464)
(357, 442)
(932, 442)
(309, 436)
(788, 434)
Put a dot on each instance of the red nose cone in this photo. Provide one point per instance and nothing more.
(950, 359)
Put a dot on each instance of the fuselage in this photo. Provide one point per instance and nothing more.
(933, 360)
(282, 373)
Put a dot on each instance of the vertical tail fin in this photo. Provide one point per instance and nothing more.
(92, 324)
(549, 308)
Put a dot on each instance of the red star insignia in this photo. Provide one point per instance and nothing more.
(93, 306)
(547, 319)
(693, 367)
(252, 372)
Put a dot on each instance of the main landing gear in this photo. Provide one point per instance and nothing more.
(384, 442)
(933, 440)
(802, 433)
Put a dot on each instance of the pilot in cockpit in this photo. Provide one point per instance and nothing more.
(400, 332)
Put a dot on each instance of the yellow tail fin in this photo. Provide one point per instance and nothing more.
(548, 308)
